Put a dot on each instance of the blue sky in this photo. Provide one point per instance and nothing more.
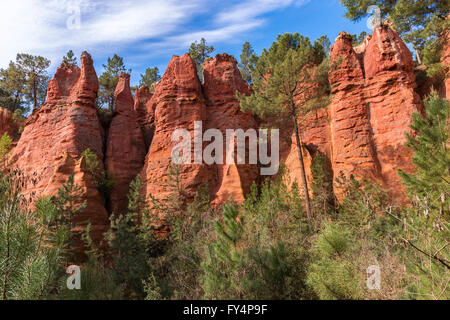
(148, 32)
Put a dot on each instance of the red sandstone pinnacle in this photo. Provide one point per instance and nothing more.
(222, 79)
(373, 100)
(88, 83)
(143, 107)
(353, 150)
(123, 98)
(391, 97)
(126, 150)
(66, 124)
(178, 102)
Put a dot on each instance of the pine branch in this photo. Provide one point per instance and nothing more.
(441, 260)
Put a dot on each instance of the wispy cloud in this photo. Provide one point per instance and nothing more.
(231, 21)
(41, 26)
(250, 10)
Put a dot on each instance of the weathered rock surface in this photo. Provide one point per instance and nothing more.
(143, 107)
(95, 211)
(391, 98)
(363, 129)
(125, 151)
(353, 151)
(222, 79)
(178, 102)
(65, 126)
(9, 124)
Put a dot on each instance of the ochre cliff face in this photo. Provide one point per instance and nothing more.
(351, 135)
(65, 126)
(143, 107)
(178, 102)
(125, 146)
(8, 124)
(363, 129)
(391, 98)
(222, 79)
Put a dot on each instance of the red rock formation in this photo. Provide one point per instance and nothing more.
(126, 150)
(66, 123)
(373, 89)
(353, 151)
(293, 171)
(178, 101)
(391, 98)
(9, 124)
(362, 131)
(95, 212)
(143, 106)
(222, 79)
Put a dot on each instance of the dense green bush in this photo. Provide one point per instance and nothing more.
(34, 244)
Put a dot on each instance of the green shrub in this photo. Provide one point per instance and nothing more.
(33, 244)
(102, 179)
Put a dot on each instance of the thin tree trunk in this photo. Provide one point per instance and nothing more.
(302, 168)
(34, 95)
(16, 101)
(419, 59)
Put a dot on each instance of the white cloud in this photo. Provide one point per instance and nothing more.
(41, 26)
(231, 21)
(249, 10)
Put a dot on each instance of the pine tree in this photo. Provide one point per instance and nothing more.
(322, 186)
(357, 40)
(430, 144)
(285, 82)
(36, 77)
(12, 85)
(33, 244)
(129, 243)
(248, 59)
(426, 222)
(150, 77)
(25, 81)
(70, 58)
(108, 80)
(199, 52)
(102, 179)
(222, 266)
